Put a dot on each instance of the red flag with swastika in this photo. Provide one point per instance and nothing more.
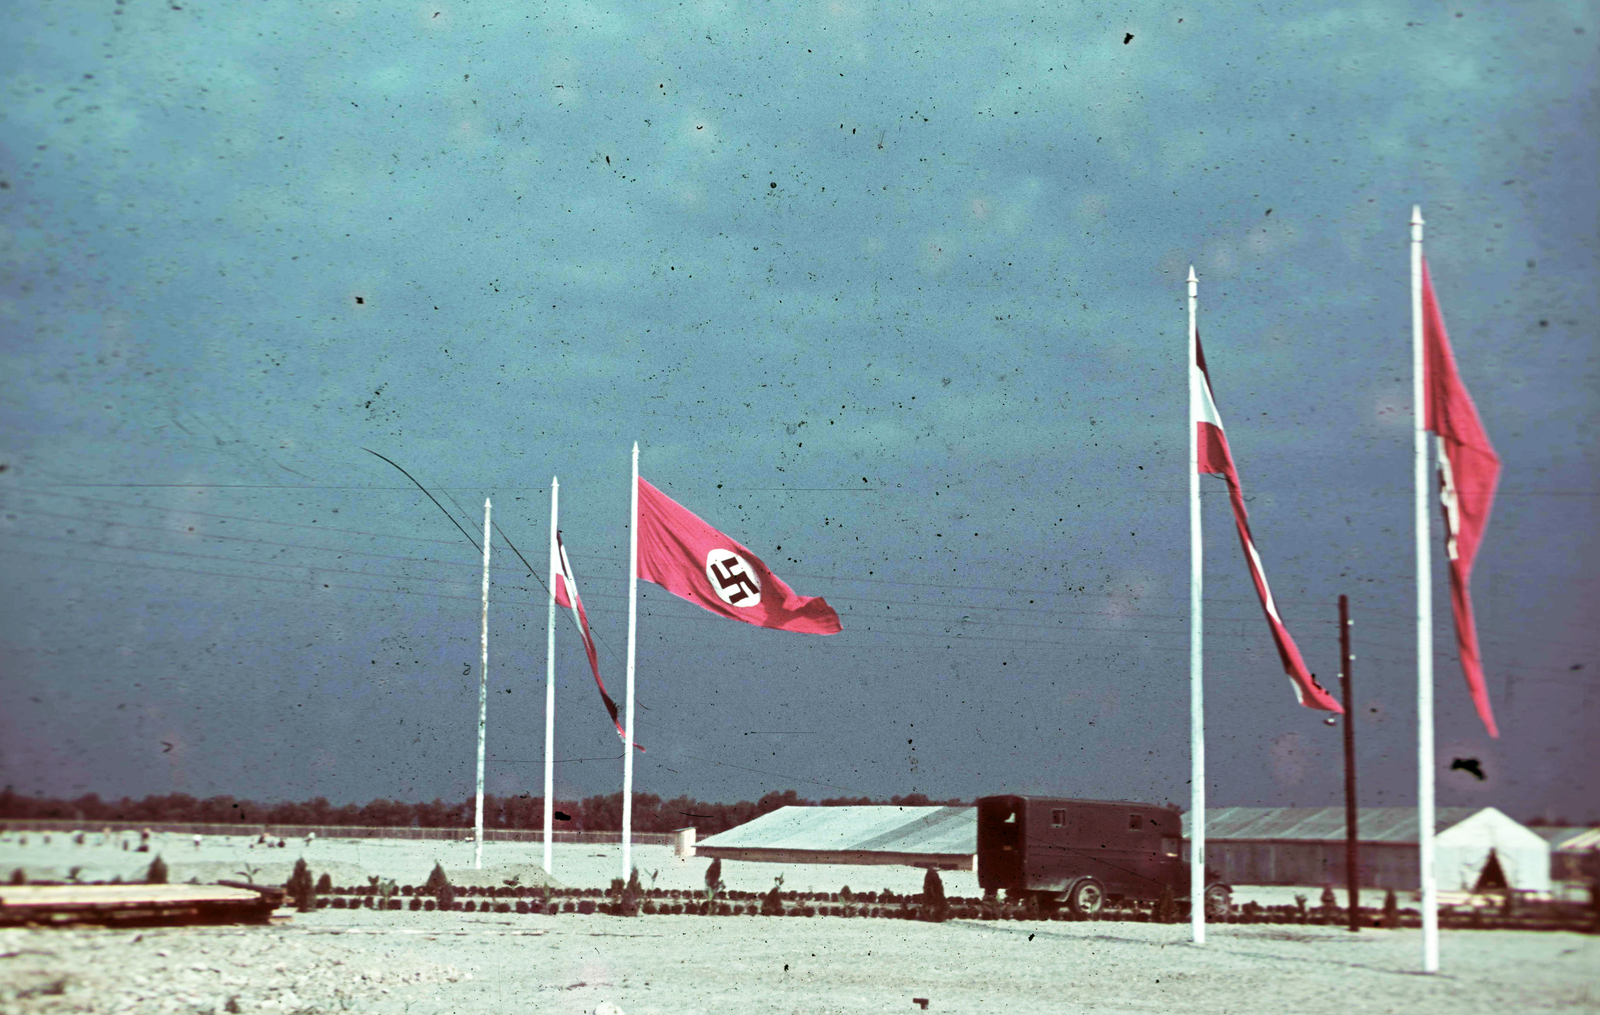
(694, 561)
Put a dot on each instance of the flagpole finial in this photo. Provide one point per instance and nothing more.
(1416, 214)
(1191, 274)
(1193, 283)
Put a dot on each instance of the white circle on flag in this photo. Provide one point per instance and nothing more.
(733, 579)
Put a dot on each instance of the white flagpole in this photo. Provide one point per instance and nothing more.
(550, 683)
(483, 685)
(1197, 745)
(1425, 810)
(633, 625)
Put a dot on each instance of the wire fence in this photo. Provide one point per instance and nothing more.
(251, 830)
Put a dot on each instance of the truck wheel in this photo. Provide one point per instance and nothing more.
(1219, 902)
(1086, 898)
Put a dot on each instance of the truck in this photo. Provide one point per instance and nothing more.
(1050, 850)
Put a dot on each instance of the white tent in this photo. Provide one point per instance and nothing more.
(1463, 851)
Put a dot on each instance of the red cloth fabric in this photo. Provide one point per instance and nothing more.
(1469, 471)
(574, 602)
(1214, 458)
(694, 561)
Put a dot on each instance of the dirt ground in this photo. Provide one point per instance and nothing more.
(438, 963)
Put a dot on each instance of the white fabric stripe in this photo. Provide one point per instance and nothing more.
(572, 592)
(1255, 565)
(1207, 409)
(1447, 497)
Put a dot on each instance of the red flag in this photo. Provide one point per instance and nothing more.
(1215, 458)
(693, 561)
(566, 593)
(1468, 473)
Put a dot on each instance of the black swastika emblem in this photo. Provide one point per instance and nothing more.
(732, 579)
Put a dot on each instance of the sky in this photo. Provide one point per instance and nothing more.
(893, 295)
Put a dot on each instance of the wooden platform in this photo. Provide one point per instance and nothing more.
(144, 905)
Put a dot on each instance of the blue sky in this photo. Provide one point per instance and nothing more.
(893, 296)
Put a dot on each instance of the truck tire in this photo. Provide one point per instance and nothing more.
(1219, 901)
(1086, 898)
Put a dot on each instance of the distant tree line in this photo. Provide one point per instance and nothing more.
(592, 814)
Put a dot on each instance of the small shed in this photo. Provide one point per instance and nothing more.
(942, 838)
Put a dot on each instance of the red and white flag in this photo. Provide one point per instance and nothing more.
(1215, 458)
(694, 561)
(566, 593)
(1469, 470)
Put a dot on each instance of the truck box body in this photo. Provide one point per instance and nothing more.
(1046, 844)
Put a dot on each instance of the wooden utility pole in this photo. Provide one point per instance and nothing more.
(1352, 865)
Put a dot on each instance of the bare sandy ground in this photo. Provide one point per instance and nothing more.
(427, 963)
(438, 963)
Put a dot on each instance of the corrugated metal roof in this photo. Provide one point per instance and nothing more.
(951, 830)
(1286, 824)
(1555, 835)
(1571, 840)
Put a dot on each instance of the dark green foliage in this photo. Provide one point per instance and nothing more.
(300, 887)
(714, 880)
(1391, 910)
(1328, 900)
(324, 885)
(416, 903)
(436, 880)
(630, 895)
(446, 896)
(1167, 907)
(772, 902)
(935, 908)
(157, 874)
(18, 878)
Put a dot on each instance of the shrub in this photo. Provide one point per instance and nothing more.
(428, 905)
(322, 903)
(324, 885)
(300, 887)
(436, 880)
(157, 874)
(934, 907)
(713, 880)
(416, 903)
(586, 907)
(394, 903)
(471, 907)
(446, 896)
(1167, 908)
(18, 878)
(630, 894)
(1391, 910)
(772, 903)
(339, 902)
